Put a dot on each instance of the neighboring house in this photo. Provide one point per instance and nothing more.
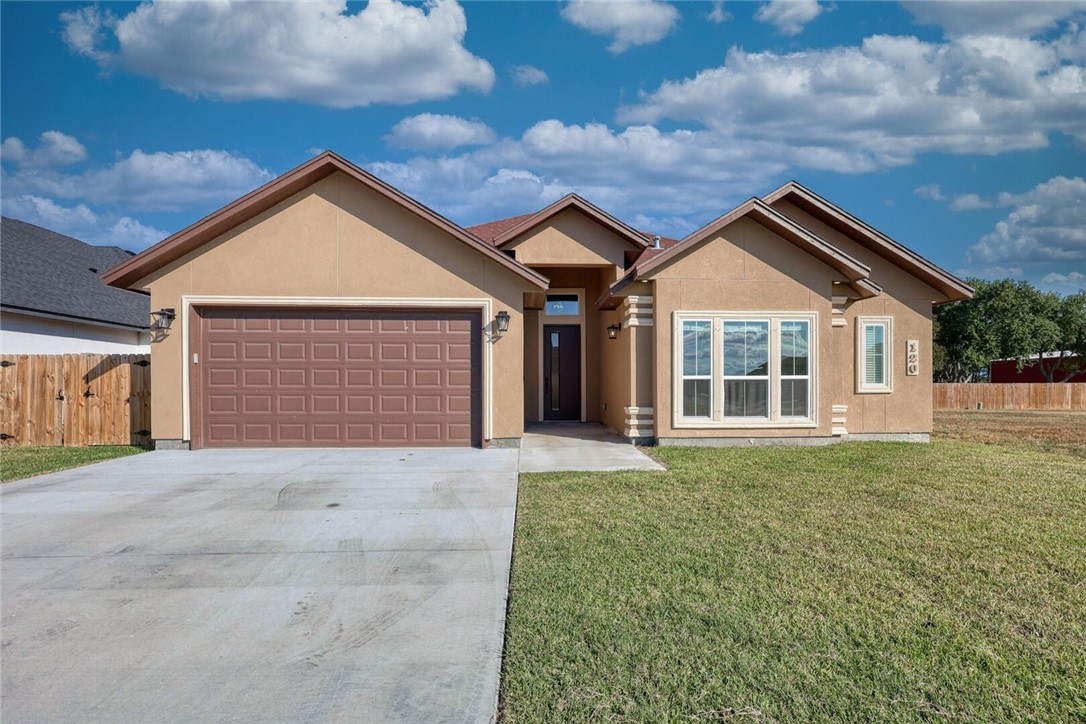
(329, 309)
(1006, 371)
(53, 299)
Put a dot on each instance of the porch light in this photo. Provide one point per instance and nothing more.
(613, 330)
(502, 320)
(162, 319)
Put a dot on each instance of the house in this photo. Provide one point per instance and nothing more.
(327, 308)
(53, 299)
(1005, 371)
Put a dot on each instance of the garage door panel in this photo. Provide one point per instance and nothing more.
(295, 377)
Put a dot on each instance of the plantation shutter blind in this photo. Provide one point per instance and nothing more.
(874, 354)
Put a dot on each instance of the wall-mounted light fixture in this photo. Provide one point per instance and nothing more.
(162, 319)
(502, 321)
(613, 330)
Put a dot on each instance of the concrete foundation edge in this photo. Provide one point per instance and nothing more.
(913, 437)
(171, 444)
(505, 442)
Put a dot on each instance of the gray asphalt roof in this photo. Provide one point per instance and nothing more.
(43, 271)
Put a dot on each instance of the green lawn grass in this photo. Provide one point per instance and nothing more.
(859, 582)
(23, 462)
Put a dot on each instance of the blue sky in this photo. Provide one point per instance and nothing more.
(959, 129)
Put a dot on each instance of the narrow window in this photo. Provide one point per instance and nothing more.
(697, 378)
(873, 363)
(795, 368)
(746, 369)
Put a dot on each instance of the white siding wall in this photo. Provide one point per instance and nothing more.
(25, 334)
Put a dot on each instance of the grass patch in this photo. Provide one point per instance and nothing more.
(1056, 430)
(23, 462)
(862, 581)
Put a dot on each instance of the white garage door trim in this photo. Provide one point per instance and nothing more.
(482, 304)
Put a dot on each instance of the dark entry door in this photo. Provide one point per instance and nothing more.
(561, 372)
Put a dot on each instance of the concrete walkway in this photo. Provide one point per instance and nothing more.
(558, 446)
(271, 586)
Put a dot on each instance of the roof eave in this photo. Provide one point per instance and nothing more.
(255, 202)
(582, 205)
(954, 288)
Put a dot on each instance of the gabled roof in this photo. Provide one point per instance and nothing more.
(844, 222)
(491, 229)
(571, 201)
(279, 189)
(850, 267)
(49, 274)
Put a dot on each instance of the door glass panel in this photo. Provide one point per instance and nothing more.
(555, 363)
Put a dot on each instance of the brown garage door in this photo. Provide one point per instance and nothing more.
(336, 378)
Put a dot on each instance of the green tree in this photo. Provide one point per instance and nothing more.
(1009, 319)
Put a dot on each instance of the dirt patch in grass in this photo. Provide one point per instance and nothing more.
(1048, 429)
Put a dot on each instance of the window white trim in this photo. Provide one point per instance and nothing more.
(710, 377)
(862, 387)
(782, 377)
(718, 421)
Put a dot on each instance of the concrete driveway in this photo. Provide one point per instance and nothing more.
(316, 585)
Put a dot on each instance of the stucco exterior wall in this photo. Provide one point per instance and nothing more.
(336, 239)
(570, 239)
(616, 365)
(28, 334)
(908, 301)
(743, 268)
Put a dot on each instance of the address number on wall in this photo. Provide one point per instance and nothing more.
(912, 357)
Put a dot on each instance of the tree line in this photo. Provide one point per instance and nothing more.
(1009, 319)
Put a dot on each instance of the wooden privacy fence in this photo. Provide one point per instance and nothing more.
(1016, 396)
(75, 399)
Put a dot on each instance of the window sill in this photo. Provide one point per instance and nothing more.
(744, 425)
(874, 391)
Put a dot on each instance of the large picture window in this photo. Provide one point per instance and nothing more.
(738, 370)
(746, 369)
(874, 359)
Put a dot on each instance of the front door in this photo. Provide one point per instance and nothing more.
(561, 372)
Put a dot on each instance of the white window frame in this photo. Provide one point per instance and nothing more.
(782, 377)
(683, 377)
(718, 421)
(887, 386)
(768, 377)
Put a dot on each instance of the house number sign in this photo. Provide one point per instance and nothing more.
(912, 357)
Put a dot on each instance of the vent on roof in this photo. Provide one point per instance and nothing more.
(656, 242)
(92, 269)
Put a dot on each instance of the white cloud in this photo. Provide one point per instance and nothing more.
(525, 75)
(969, 202)
(931, 191)
(82, 223)
(718, 14)
(1047, 224)
(435, 132)
(962, 202)
(1071, 282)
(880, 104)
(789, 17)
(668, 176)
(54, 149)
(148, 181)
(627, 22)
(313, 52)
(984, 17)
